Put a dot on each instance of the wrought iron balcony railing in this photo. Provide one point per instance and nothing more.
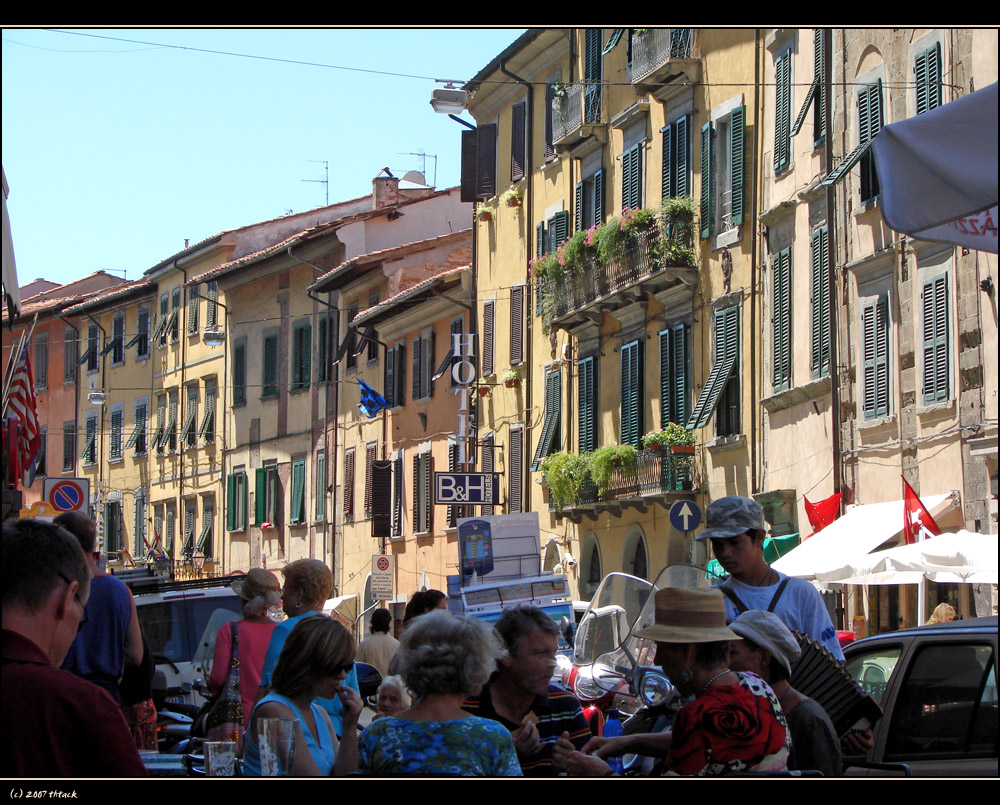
(656, 473)
(655, 47)
(580, 105)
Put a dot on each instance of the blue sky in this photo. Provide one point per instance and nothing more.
(117, 148)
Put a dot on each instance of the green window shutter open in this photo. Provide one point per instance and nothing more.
(552, 424)
(298, 491)
(599, 196)
(231, 502)
(927, 71)
(706, 180)
(674, 375)
(820, 305)
(320, 492)
(260, 496)
(935, 339)
(781, 320)
(667, 176)
(632, 393)
(587, 393)
(782, 111)
(736, 153)
(726, 352)
(632, 178)
(875, 355)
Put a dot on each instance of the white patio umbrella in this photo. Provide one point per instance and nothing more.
(961, 557)
(938, 172)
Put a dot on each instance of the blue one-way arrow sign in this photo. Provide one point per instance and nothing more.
(685, 515)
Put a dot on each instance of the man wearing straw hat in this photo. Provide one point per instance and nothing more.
(736, 528)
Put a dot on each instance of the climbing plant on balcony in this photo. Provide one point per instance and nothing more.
(677, 231)
(605, 460)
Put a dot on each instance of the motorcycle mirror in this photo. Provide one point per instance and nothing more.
(655, 689)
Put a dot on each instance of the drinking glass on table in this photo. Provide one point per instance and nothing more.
(277, 746)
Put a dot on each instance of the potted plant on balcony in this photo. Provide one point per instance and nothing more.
(675, 437)
(564, 473)
(677, 234)
(604, 460)
(576, 253)
(485, 211)
(512, 195)
(483, 387)
(512, 377)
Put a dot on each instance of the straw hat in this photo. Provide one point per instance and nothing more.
(258, 582)
(689, 616)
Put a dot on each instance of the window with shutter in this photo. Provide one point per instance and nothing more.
(139, 524)
(592, 73)
(936, 344)
(782, 110)
(927, 74)
(298, 508)
(479, 157)
(781, 319)
(189, 436)
(141, 339)
(269, 381)
(516, 324)
(239, 373)
(117, 425)
(212, 307)
(587, 404)
(676, 176)
(820, 305)
(118, 340)
(69, 446)
(422, 505)
(206, 544)
(550, 96)
(190, 515)
(489, 307)
(93, 348)
(550, 437)
(138, 438)
(558, 228)
(320, 487)
(41, 367)
(231, 505)
(173, 323)
(632, 173)
(726, 337)
(89, 453)
(369, 461)
(206, 430)
(70, 356)
(349, 485)
(816, 94)
(875, 358)
(397, 495)
(674, 345)
(515, 470)
(518, 142)
(301, 349)
(194, 294)
(870, 124)
(632, 393)
(722, 147)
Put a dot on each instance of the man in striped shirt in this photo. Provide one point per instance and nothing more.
(522, 696)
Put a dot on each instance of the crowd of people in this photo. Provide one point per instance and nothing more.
(458, 697)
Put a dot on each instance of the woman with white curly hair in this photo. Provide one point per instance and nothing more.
(259, 591)
(392, 696)
(444, 658)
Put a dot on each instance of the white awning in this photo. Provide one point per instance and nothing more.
(938, 172)
(853, 535)
(963, 558)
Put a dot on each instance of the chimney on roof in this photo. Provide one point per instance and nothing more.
(385, 190)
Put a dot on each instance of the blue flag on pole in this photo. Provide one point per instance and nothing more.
(371, 401)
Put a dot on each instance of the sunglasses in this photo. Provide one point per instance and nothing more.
(343, 668)
(83, 608)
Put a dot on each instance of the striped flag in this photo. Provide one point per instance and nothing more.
(21, 404)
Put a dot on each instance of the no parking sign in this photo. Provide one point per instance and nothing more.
(67, 494)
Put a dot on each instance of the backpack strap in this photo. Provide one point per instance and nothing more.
(732, 596)
(777, 594)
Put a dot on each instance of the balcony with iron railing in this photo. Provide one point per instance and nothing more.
(576, 110)
(647, 261)
(658, 54)
(658, 477)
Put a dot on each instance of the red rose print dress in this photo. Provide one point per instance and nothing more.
(730, 728)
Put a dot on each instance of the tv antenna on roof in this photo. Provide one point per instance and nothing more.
(423, 158)
(326, 181)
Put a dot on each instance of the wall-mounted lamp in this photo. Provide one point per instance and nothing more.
(213, 338)
(96, 397)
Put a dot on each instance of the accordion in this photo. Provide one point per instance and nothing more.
(818, 675)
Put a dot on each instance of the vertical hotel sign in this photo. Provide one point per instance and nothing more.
(463, 372)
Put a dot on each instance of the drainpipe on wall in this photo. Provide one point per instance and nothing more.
(100, 425)
(754, 298)
(529, 332)
(831, 228)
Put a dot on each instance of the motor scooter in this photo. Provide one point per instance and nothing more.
(614, 667)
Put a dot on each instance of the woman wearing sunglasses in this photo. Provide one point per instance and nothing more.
(313, 664)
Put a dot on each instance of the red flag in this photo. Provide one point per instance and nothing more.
(823, 513)
(21, 404)
(915, 516)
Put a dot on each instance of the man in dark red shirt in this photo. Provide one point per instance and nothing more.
(54, 723)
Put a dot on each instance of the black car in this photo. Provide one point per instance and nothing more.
(937, 686)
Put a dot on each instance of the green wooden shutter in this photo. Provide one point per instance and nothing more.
(578, 207)
(260, 496)
(599, 196)
(560, 228)
(270, 379)
(935, 340)
(298, 491)
(231, 502)
(540, 239)
(551, 424)
(682, 173)
(927, 70)
(726, 352)
(736, 151)
(632, 178)
(320, 491)
(515, 499)
(667, 174)
(819, 82)
(417, 367)
(632, 396)
(680, 338)
(706, 180)
(781, 320)
(117, 420)
(587, 404)
(875, 359)
(820, 305)
(783, 110)
(488, 338)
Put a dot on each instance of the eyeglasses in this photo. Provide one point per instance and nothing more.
(76, 595)
(343, 668)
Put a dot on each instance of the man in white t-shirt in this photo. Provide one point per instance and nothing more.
(737, 529)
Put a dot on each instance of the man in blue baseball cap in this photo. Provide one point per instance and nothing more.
(736, 528)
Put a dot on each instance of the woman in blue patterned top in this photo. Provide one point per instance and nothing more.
(445, 659)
